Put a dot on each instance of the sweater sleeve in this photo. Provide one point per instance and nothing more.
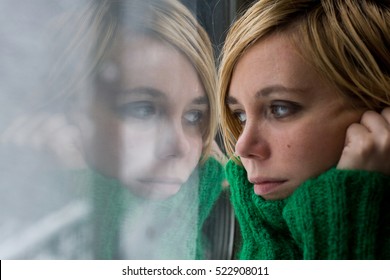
(341, 215)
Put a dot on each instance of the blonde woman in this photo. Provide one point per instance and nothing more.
(141, 116)
(149, 129)
(304, 93)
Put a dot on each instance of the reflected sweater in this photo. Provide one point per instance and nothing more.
(125, 226)
(338, 215)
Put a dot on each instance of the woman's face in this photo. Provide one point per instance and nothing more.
(147, 118)
(293, 121)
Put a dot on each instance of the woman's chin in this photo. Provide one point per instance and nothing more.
(156, 190)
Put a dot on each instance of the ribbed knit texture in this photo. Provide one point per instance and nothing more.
(339, 215)
(116, 211)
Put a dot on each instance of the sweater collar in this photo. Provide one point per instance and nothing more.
(265, 212)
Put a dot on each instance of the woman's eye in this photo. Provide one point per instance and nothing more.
(279, 111)
(139, 110)
(283, 110)
(193, 117)
(240, 116)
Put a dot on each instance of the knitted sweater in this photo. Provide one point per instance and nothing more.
(338, 215)
(130, 227)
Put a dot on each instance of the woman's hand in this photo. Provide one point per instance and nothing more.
(367, 144)
(50, 134)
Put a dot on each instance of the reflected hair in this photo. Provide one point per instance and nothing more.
(347, 42)
(168, 21)
(101, 23)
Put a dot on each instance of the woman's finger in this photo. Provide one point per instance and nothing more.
(386, 115)
(375, 122)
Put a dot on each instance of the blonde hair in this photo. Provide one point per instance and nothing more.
(347, 42)
(99, 24)
(171, 22)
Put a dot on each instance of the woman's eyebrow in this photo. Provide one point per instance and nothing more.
(265, 92)
(124, 95)
(202, 100)
(231, 100)
(152, 92)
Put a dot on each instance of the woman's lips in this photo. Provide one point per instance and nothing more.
(265, 186)
(159, 188)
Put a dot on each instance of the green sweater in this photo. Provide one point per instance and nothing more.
(129, 227)
(339, 215)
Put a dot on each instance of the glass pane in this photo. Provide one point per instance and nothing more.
(107, 118)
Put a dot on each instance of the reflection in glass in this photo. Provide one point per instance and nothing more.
(118, 142)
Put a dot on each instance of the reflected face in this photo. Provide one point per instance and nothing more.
(147, 118)
(293, 122)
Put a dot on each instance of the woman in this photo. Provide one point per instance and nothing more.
(304, 90)
(149, 130)
(141, 112)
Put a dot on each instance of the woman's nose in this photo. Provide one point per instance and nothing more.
(172, 141)
(252, 143)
